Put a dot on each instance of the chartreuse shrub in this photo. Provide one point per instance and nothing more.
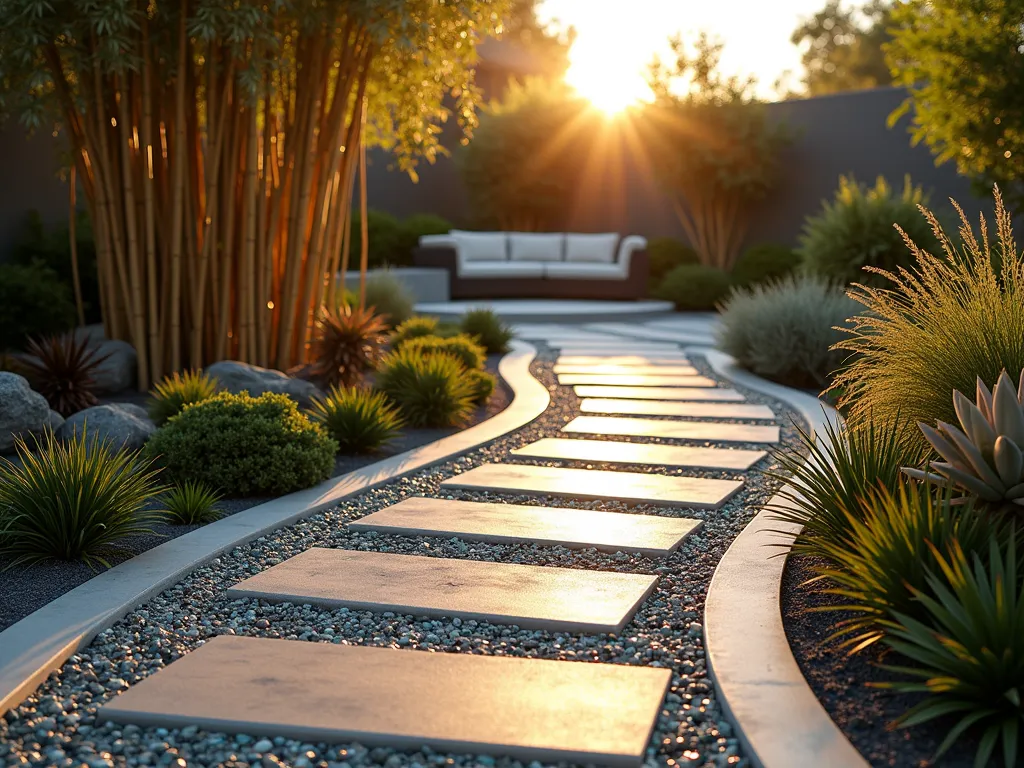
(855, 231)
(33, 302)
(488, 329)
(693, 287)
(414, 328)
(937, 328)
(461, 347)
(359, 420)
(191, 503)
(72, 500)
(170, 395)
(429, 390)
(786, 331)
(244, 446)
(763, 263)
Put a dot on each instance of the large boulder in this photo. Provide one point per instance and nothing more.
(22, 410)
(124, 425)
(119, 371)
(235, 377)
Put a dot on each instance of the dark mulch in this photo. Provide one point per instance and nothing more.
(840, 682)
(24, 590)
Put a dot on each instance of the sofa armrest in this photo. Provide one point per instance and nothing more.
(629, 246)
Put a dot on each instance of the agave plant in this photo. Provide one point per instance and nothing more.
(984, 458)
(349, 342)
(60, 368)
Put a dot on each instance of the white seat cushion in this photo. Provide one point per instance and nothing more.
(497, 269)
(592, 249)
(584, 271)
(534, 246)
(437, 241)
(480, 246)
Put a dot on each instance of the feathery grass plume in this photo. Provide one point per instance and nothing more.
(937, 328)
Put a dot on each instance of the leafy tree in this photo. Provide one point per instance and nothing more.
(711, 146)
(844, 48)
(961, 61)
(217, 144)
(549, 48)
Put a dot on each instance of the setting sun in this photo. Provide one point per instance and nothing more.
(601, 77)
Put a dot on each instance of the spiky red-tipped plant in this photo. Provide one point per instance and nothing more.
(61, 369)
(349, 342)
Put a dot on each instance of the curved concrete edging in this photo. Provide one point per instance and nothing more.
(43, 640)
(778, 719)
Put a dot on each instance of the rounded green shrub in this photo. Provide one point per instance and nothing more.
(33, 302)
(244, 446)
(486, 327)
(694, 287)
(665, 254)
(360, 420)
(461, 347)
(384, 240)
(784, 331)
(483, 385)
(856, 230)
(390, 298)
(413, 228)
(763, 263)
(429, 390)
(170, 395)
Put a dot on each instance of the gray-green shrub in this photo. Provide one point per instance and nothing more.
(389, 296)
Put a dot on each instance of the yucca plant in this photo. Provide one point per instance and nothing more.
(461, 347)
(360, 420)
(349, 342)
(968, 652)
(936, 328)
(61, 368)
(984, 457)
(429, 390)
(72, 500)
(191, 503)
(489, 330)
(170, 396)
(886, 556)
(829, 477)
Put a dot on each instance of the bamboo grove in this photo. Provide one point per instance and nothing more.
(217, 145)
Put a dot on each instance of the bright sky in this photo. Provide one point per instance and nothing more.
(617, 38)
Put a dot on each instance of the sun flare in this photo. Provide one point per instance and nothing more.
(605, 80)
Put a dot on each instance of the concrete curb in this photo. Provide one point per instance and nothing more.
(42, 641)
(778, 719)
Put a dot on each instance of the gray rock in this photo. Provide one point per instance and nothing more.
(22, 411)
(119, 370)
(124, 425)
(235, 377)
(54, 421)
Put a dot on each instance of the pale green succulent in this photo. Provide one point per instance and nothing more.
(985, 457)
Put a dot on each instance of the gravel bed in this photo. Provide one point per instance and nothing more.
(26, 589)
(57, 725)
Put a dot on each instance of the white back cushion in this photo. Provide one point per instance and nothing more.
(598, 249)
(480, 246)
(533, 246)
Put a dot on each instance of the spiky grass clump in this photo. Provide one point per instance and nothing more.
(830, 475)
(429, 390)
(937, 328)
(348, 343)
(483, 385)
(461, 347)
(414, 328)
(170, 396)
(191, 503)
(61, 369)
(390, 298)
(785, 330)
(72, 500)
(360, 420)
(484, 325)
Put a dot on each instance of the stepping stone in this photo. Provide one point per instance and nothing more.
(680, 430)
(530, 596)
(618, 350)
(661, 358)
(669, 408)
(682, 335)
(631, 487)
(529, 709)
(657, 370)
(635, 380)
(615, 343)
(556, 526)
(640, 453)
(722, 395)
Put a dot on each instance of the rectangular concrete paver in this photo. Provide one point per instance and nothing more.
(628, 359)
(609, 353)
(482, 521)
(641, 453)
(708, 394)
(531, 596)
(656, 370)
(682, 430)
(530, 709)
(630, 487)
(669, 408)
(634, 380)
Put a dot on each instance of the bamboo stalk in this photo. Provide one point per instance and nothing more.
(73, 245)
(178, 193)
(149, 205)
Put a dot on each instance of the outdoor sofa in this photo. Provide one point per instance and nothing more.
(538, 265)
